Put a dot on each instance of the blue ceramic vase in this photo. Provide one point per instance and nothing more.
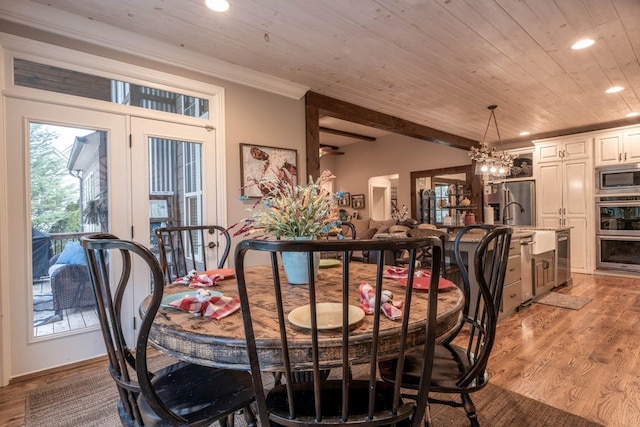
(296, 265)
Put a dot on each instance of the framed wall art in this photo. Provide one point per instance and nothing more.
(259, 162)
(357, 201)
(345, 201)
(522, 166)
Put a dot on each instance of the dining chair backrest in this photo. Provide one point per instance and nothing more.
(347, 231)
(127, 367)
(483, 298)
(339, 399)
(178, 394)
(191, 247)
(426, 254)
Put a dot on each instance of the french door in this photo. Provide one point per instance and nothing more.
(170, 180)
(112, 184)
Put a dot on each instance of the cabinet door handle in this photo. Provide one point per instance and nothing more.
(513, 295)
(560, 211)
(619, 157)
(625, 156)
(564, 211)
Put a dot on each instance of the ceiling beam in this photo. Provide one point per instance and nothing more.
(353, 113)
(347, 134)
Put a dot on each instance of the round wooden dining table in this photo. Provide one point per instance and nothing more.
(221, 343)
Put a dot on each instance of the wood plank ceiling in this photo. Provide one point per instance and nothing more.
(437, 63)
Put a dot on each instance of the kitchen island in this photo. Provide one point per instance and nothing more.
(518, 288)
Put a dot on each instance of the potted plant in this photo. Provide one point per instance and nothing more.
(293, 211)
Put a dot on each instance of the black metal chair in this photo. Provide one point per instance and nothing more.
(183, 248)
(181, 394)
(460, 368)
(425, 257)
(345, 226)
(342, 400)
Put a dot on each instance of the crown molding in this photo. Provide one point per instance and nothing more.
(61, 23)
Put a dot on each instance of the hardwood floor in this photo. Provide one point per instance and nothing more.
(586, 362)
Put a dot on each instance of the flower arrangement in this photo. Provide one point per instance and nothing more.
(290, 210)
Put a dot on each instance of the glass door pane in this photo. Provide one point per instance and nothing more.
(171, 186)
(69, 199)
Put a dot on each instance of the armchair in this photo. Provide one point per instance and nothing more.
(70, 282)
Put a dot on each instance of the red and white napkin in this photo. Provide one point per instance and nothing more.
(203, 304)
(402, 273)
(389, 308)
(200, 280)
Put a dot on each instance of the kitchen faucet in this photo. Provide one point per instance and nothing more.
(506, 220)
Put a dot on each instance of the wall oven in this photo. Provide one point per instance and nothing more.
(618, 215)
(617, 179)
(618, 253)
(618, 232)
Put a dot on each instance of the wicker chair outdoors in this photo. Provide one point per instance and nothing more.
(70, 282)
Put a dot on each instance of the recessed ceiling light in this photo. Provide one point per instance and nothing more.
(581, 44)
(614, 89)
(217, 5)
(524, 133)
(632, 114)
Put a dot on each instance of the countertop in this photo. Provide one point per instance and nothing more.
(477, 237)
(528, 228)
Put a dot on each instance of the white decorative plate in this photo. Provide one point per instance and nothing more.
(328, 263)
(329, 315)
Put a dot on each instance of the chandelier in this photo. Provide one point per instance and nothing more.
(488, 160)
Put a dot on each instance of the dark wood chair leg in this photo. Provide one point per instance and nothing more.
(249, 417)
(470, 408)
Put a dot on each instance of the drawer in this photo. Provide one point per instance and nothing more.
(511, 297)
(514, 248)
(514, 270)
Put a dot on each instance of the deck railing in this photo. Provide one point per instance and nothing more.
(59, 240)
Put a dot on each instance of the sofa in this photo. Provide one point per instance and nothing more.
(367, 229)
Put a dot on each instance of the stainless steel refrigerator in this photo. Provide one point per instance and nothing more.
(515, 201)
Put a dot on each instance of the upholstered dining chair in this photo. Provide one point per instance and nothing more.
(461, 359)
(181, 394)
(319, 316)
(186, 248)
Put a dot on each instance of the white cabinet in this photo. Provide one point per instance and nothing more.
(563, 149)
(564, 194)
(617, 147)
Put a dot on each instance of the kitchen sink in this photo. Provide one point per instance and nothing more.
(543, 241)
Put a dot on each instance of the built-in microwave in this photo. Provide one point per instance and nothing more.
(618, 180)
